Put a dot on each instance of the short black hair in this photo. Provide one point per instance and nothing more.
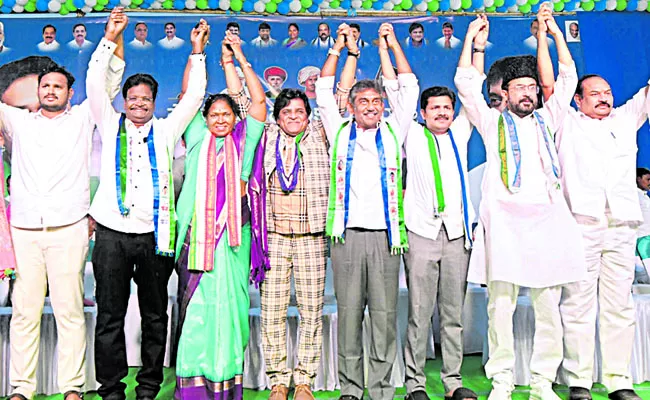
(32, 65)
(78, 25)
(213, 98)
(232, 24)
(415, 26)
(364, 85)
(57, 69)
(437, 91)
(642, 171)
(295, 26)
(140, 79)
(264, 25)
(140, 23)
(533, 21)
(170, 23)
(49, 26)
(324, 23)
(447, 25)
(355, 26)
(495, 74)
(580, 86)
(285, 97)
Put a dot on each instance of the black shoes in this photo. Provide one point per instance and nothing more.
(348, 397)
(579, 393)
(624, 394)
(463, 393)
(417, 395)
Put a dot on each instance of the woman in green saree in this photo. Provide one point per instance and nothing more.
(214, 238)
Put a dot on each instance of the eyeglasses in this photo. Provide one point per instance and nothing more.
(143, 99)
(524, 88)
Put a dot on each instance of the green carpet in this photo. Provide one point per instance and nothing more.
(473, 378)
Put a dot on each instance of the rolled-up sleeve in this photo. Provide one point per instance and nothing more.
(329, 109)
(638, 107)
(469, 83)
(558, 104)
(403, 94)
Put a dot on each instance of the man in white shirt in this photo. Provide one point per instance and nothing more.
(355, 32)
(526, 235)
(416, 36)
(3, 48)
(50, 193)
(324, 39)
(264, 39)
(448, 40)
(140, 40)
(597, 149)
(134, 210)
(79, 42)
(170, 41)
(643, 235)
(366, 214)
(438, 214)
(233, 27)
(531, 41)
(49, 42)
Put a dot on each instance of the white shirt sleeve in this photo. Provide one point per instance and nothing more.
(329, 110)
(469, 82)
(559, 103)
(637, 108)
(403, 95)
(97, 79)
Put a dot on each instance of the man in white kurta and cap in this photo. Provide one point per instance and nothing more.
(527, 235)
(597, 151)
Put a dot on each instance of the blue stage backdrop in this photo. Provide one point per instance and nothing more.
(615, 45)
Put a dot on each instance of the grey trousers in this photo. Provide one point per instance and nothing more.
(435, 270)
(365, 273)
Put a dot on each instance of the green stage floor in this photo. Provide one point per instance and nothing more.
(473, 377)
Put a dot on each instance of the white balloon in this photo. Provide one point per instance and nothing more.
(21, 2)
(455, 4)
(642, 5)
(266, 1)
(488, 3)
(259, 7)
(18, 8)
(190, 4)
(610, 5)
(324, 5)
(86, 9)
(156, 5)
(295, 6)
(513, 9)
(356, 4)
(125, 3)
(421, 7)
(388, 6)
(224, 4)
(91, 3)
(521, 2)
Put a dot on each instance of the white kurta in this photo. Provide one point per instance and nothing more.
(531, 238)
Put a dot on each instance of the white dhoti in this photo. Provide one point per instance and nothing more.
(606, 293)
(534, 245)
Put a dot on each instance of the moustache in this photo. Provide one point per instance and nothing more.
(603, 103)
(445, 117)
(526, 98)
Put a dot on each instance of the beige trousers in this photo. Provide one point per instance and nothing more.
(55, 256)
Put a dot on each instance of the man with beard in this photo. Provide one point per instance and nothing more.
(49, 42)
(597, 151)
(79, 42)
(526, 235)
(438, 215)
(135, 210)
(366, 215)
(324, 39)
(50, 192)
(264, 39)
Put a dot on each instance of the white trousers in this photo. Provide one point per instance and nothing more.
(54, 255)
(547, 342)
(606, 294)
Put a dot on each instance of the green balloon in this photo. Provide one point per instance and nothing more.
(64, 10)
(465, 4)
(621, 5)
(533, 2)
(236, 5)
(490, 9)
(588, 5)
(31, 7)
(98, 7)
(559, 6)
(137, 2)
(168, 5)
(271, 7)
(69, 4)
(306, 3)
(335, 4)
(202, 4)
(499, 3)
(397, 7)
(407, 4)
(524, 8)
(648, 9)
(366, 5)
(433, 6)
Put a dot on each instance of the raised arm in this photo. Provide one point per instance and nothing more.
(564, 88)
(327, 103)
(469, 81)
(257, 108)
(480, 42)
(97, 78)
(544, 63)
(180, 117)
